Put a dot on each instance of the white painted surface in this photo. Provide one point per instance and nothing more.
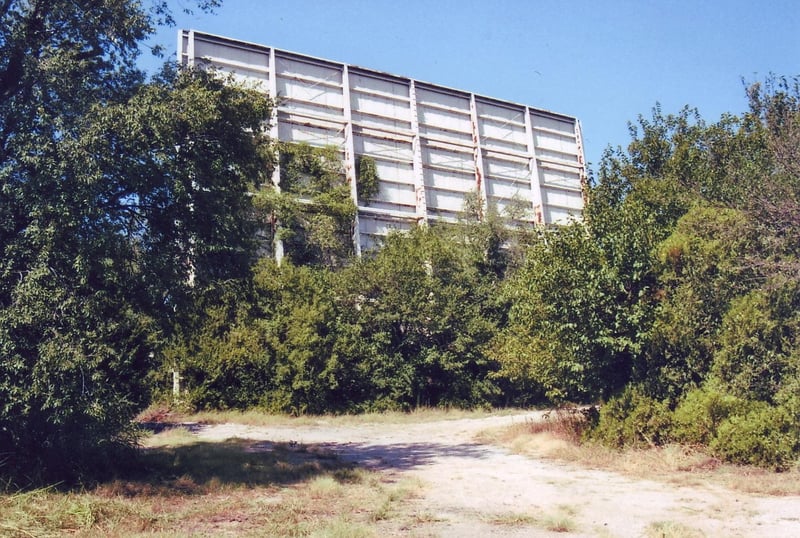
(432, 145)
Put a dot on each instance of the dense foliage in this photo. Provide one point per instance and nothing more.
(718, 359)
(310, 216)
(115, 195)
(674, 302)
(138, 222)
(408, 326)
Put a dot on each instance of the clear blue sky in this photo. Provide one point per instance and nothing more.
(604, 62)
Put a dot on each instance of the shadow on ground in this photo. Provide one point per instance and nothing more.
(201, 466)
(403, 456)
(197, 466)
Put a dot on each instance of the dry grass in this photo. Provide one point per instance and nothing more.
(160, 414)
(671, 529)
(233, 488)
(559, 437)
(559, 520)
(512, 519)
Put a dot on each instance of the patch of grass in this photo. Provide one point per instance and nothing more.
(324, 486)
(425, 517)
(512, 519)
(561, 520)
(196, 466)
(567, 509)
(48, 512)
(671, 529)
(758, 480)
(343, 529)
(170, 437)
(255, 417)
(559, 523)
(233, 487)
(675, 464)
(393, 497)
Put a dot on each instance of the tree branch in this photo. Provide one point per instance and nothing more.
(29, 44)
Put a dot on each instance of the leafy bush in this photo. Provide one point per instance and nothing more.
(758, 335)
(281, 352)
(700, 275)
(367, 178)
(633, 420)
(313, 213)
(566, 331)
(421, 315)
(698, 416)
(766, 436)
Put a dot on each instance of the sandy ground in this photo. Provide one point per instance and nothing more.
(475, 490)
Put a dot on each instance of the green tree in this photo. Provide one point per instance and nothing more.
(113, 194)
(270, 342)
(722, 348)
(758, 345)
(585, 303)
(312, 213)
(701, 273)
(421, 315)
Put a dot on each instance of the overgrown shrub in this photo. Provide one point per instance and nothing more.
(367, 178)
(282, 352)
(765, 436)
(698, 416)
(313, 213)
(633, 419)
(756, 341)
(421, 315)
(700, 275)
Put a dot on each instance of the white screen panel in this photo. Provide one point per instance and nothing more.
(445, 200)
(452, 181)
(381, 106)
(448, 159)
(395, 172)
(505, 189)
(396, 194)
(314, 73)
(564, 126)
(554, 142)
(518, 171)
(388, 88)
(559, 215)
(568, 199)
(315, 136)
(560, 178)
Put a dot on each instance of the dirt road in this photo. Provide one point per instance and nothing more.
(476, 490)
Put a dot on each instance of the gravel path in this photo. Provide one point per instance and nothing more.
(477, 490)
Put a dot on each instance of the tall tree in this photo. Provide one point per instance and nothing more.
(114, 194)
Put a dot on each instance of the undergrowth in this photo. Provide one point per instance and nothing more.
(562, 434)
(162, 414)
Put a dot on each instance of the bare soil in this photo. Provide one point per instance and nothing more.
(472, 489)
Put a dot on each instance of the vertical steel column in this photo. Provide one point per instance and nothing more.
(416, 146)
(350, 171)
(582, 162)
(183, 49)
(477, 157)
(273, 120)
(190, 59)
(533, 166)
(274, 135)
